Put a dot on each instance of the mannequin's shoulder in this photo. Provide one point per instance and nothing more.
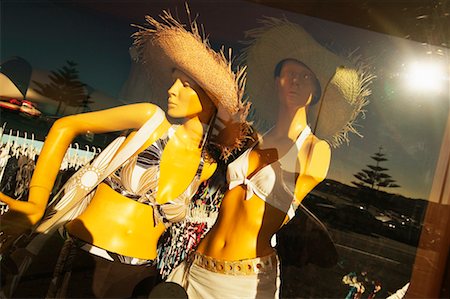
(145, 108)
(208, 170)
(318, 145)
(149, 112)
(317, 155)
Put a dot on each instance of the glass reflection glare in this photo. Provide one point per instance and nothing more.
(425, 76)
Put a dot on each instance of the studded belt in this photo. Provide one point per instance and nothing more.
(241, 267)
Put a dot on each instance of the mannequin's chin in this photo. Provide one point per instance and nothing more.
(295, 104)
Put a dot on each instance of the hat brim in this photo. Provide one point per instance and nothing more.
(279, 39)
(168, 45)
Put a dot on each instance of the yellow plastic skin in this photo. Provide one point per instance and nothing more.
(112, 221)
(244, 228)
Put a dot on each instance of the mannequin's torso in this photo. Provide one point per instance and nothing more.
(244, 228)
(121, 225)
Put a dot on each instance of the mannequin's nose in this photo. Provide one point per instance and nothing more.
(173, 90)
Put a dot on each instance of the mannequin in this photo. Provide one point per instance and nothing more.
(253, 235)
(270, 179)
(116, 119)
(125, 217)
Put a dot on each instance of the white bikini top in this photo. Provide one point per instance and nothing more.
(275, 182)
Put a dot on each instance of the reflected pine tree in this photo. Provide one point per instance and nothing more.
(65, 87)
(374, 177)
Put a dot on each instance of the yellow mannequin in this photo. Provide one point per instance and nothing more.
(244, 228)
(112, 221)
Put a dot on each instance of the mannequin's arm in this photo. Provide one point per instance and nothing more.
(316, 169)
(317, 162)
(208, 171)
(57, 142)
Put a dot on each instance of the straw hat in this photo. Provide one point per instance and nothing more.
(168, 45)
(344, 86)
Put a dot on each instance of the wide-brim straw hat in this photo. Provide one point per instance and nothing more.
(167, 45)
(344, 84)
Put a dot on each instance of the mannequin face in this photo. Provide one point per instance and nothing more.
(295, 85)
(186, 98)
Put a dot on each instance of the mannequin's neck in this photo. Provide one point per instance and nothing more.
(290, 123)
(192, 131)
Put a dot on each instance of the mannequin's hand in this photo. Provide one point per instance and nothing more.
(18, 220)
(227, 130)
(20, 217)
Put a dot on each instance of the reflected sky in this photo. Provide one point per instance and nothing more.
(407, 122)
(48, 34)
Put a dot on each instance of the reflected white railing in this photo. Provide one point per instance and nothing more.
(15, 143)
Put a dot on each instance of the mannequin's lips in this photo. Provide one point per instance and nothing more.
(170, 103)
(293, 93)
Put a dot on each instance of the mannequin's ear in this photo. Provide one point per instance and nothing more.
(277, 81)
(277, 84)
(207, 103)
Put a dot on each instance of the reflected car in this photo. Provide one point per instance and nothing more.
(10, 104)
(29, 108)
(322, 208)
(404, 232)
(356, 219)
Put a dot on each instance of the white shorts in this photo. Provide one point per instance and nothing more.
(203, 283)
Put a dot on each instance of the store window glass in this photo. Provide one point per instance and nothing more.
(377, 224)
